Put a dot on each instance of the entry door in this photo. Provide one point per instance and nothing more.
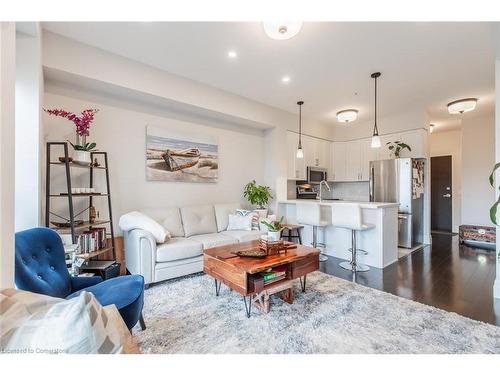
(441, 209)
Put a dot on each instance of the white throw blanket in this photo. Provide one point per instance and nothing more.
(137, 220)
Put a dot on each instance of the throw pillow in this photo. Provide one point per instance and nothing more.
(254, 215)
(34, 323)
(238, 222)
(137, 220)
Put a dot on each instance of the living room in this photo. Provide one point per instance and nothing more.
(247, 177)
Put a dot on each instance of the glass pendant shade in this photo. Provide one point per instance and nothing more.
(300, 153)
(376, 142)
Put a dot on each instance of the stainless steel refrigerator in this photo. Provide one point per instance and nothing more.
(401, 181)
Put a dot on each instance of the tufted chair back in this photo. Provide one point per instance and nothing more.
(40, 263)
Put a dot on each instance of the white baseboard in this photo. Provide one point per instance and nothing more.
(496, 289)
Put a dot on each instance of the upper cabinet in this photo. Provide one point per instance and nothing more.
(348, 161)
(317, 153)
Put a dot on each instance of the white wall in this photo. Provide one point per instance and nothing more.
(496, 288)
(115, 75)
(7, 151)
(450, 143)
(29, 91)
(122, 133)
(478, 159)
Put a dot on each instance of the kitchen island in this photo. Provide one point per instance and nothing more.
(381, 242)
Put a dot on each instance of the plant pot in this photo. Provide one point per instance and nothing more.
(262, 212)
(273, 236)
(82, 157)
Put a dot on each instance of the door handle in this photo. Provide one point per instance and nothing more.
(446, 195)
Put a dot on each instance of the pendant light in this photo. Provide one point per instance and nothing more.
(375, 137)
(300, 152)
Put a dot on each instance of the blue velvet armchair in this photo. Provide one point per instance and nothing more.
(41, 268)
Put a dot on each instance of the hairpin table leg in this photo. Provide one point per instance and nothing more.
(248, 307)
(217, 287)
(303, 283)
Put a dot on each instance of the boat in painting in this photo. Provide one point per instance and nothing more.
(179, 160)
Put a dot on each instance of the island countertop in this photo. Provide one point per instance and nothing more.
(369, 205)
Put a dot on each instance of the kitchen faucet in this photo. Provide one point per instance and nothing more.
(321, 190)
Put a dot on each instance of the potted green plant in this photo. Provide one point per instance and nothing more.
(274, 228)
(258, 195)
(82, 153)
(396, 147)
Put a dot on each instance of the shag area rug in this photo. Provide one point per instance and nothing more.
(332, 316)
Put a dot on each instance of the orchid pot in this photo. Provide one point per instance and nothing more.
(82, 157)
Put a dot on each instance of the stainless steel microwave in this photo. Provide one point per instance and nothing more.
(315, 175)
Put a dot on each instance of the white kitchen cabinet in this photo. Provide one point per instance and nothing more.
(353, 168)
(340, 161)
(416, 139)
(317, 153)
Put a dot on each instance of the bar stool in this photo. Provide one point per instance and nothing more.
(311, 214)
(289, 235)
(348, 216)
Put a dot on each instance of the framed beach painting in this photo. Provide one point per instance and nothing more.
(181, 156)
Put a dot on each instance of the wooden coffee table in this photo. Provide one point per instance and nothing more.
(242, 274)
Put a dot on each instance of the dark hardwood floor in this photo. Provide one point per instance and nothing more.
(445, 275)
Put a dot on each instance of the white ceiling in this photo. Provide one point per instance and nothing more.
(423, 64)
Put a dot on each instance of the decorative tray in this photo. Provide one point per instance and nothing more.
(252, 253)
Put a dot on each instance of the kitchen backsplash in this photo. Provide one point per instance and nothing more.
(350, 191)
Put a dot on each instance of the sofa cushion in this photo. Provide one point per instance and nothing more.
(198, 220)
(178, 248)
(169, 218)
(222, 212)
(213, 239)
(243, 235)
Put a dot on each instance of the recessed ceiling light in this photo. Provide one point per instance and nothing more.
(462, 105)
(282, 30)
(347, 115)
(285, 79)
(232, 54)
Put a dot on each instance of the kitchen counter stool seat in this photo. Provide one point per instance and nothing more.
(311, 214)
(348, 216)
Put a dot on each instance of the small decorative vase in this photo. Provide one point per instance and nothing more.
(82, 157)
(273, 236)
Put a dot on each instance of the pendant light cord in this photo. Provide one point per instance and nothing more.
(375, 128)
(300, 125)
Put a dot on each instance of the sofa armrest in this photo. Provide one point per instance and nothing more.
(78, 283)
(140, 253)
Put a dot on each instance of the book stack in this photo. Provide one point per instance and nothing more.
(92, 240)
(274, 275)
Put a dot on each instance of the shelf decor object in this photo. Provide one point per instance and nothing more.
(300, 152)
(82, 123)
(89, 232)
(375, 137)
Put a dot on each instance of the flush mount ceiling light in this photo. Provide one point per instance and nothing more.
(347, 115)
(300, 152)
(375, 137)
(462, 105)
(281, 30)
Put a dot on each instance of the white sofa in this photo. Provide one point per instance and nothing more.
(193, 229)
